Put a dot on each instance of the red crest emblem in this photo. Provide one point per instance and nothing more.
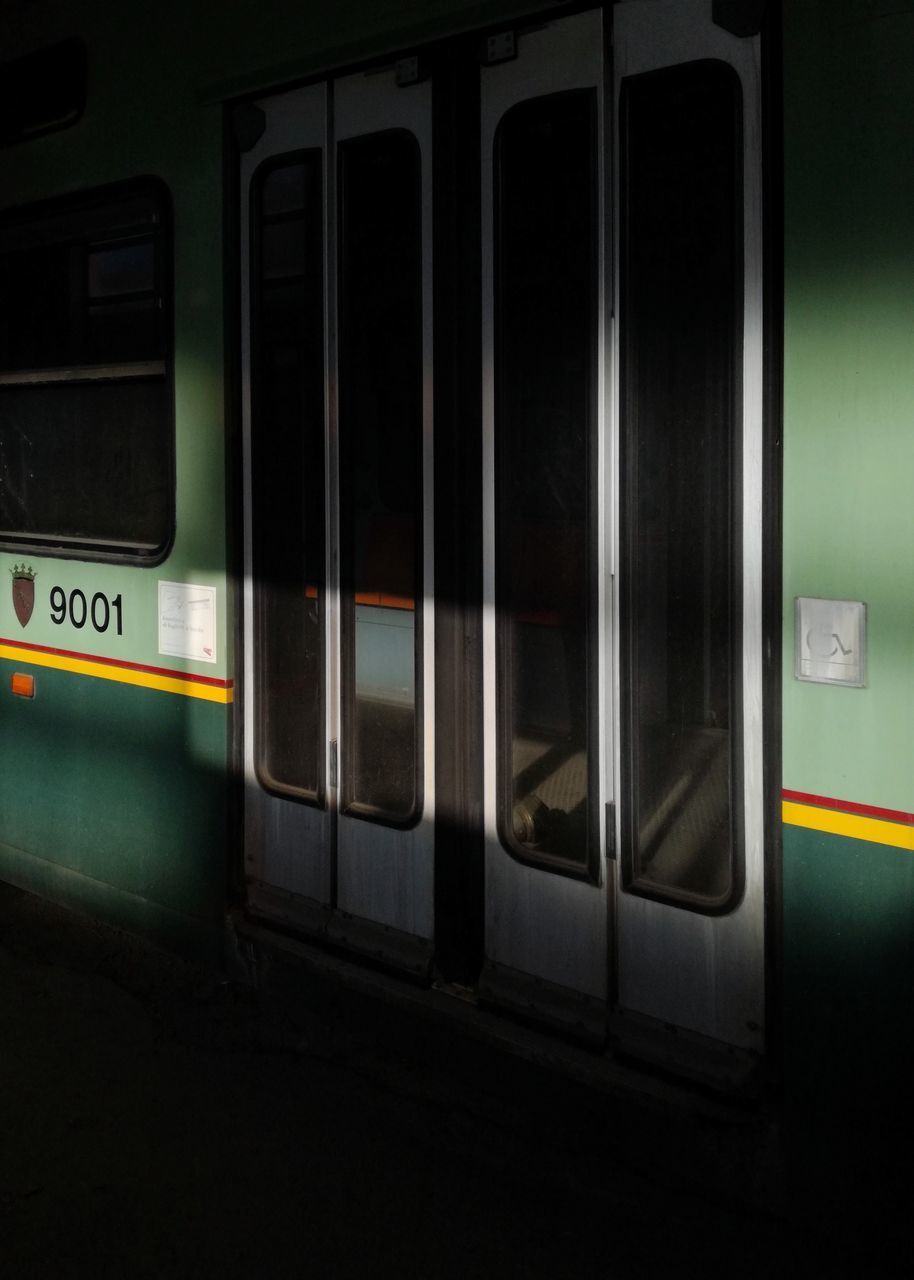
(23, 592)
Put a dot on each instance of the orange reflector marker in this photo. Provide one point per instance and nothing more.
(23, 685)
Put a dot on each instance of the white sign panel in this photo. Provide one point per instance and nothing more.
(830, 640)
(187, 621)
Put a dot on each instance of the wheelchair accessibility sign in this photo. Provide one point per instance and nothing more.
(830, 640)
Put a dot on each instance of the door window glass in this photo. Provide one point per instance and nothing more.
(681, 304)
(380, 424)
(545, 300)
(287, 446)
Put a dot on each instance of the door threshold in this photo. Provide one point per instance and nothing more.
(379, 944)
(251, 942)
(570, 1013)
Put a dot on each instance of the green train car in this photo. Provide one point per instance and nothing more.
(455, 471)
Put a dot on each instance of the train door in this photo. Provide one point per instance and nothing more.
(545, 642)
(618, 267)
(688, 496)
(337, 342)
(622, 474)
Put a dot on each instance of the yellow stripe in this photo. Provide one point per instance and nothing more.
(122, 675)
(854, 825)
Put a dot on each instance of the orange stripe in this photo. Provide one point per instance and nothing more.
(378, 598)
(383, 600)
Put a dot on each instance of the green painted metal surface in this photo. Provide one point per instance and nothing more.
(848, 385)
(848, 1031)
(848, 906)
(121, 785)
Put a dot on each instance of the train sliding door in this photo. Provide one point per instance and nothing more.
(611, 765)
(545, 641)
(383, 361)
(339, 743)
(622, 376)
(290, 607)
(688, 559)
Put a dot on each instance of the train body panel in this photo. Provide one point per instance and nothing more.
(82, 755)
(848, 894)
(536, 554)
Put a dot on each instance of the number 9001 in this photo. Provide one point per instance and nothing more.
(78, 611)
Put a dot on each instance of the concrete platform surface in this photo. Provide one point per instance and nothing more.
(158, 1120)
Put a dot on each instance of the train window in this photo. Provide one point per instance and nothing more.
(681, 353)
(546, 300)
(380, 423)
(287, 463)
(86, 419)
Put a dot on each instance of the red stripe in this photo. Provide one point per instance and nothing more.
(849, 806)
(120, 662)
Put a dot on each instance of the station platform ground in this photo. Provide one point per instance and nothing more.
(159, 1119)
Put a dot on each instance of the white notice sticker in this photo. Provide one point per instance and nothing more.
(187, 621)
